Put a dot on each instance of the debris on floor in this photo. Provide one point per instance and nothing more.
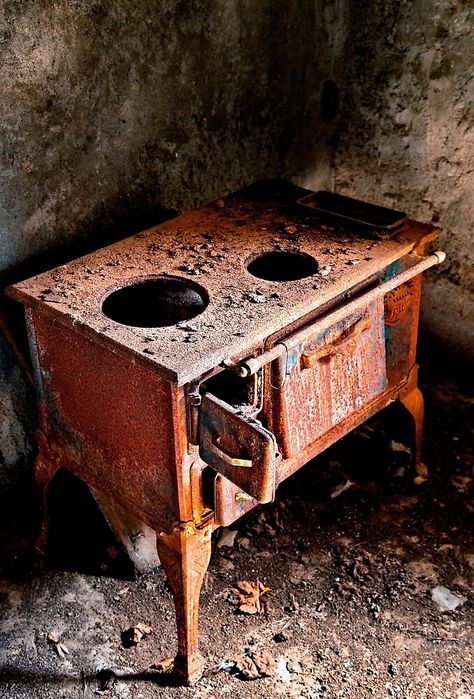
(342, 488)
(60, 648)
(165, 665)
(461, 483)
(398, 446)
(135, 634)
(445, 599)
(226, 537)
(282, 671)
(254, 665)
(248, 596)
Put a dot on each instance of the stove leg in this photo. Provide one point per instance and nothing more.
(45, 469)
(414, 403)
(185, 554)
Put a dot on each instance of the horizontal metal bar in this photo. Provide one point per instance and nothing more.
(252, 365)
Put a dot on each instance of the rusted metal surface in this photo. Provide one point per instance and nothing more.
(230, 501)
(328, 377)
(185, 554)
(371, 219)
(212, 246)
(239, 447)
(391, 288)
(154, 420)
(110, 422)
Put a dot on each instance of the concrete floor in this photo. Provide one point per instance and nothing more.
(350, 610)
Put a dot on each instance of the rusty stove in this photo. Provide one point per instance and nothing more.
(184, 372)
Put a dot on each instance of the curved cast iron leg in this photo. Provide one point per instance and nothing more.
(185, 554)
(414, 403)
(45, 469)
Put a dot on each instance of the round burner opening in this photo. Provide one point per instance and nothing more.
(279, 266)
(156, 303)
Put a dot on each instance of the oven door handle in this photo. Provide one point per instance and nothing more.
(226, 458)
(341, 346)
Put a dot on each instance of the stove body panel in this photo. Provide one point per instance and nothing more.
(117, 425)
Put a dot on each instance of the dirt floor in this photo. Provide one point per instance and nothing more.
(352, 573)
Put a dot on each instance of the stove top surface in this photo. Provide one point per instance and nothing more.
(211, 248)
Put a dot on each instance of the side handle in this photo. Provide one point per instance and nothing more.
(341, 346)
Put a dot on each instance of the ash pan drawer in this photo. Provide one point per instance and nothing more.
(230, 501)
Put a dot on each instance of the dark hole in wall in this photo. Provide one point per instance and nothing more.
(282, 266)
(329, 103)
(156, 302)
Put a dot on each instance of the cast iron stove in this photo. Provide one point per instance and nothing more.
(184, 372)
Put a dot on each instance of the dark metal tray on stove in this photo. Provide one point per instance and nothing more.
(345, 210)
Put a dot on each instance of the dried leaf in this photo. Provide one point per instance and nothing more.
(245, 665)
(139, 631)
(61, 649)
(249, 594)
(249, 608)
(422, 471)
(461, 483)
(165, 665)
(398, 446)
(255, 665)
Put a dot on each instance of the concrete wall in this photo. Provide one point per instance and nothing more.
(406, 136)
(112, 112)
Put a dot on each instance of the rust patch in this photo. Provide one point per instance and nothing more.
(213, 246)
(397, 302)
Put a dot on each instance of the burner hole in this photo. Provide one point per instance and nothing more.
(156, 303)
(283, 266)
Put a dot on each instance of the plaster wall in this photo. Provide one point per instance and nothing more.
(405, 136)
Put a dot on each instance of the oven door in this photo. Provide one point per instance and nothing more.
(238, 446)
(327, 378)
